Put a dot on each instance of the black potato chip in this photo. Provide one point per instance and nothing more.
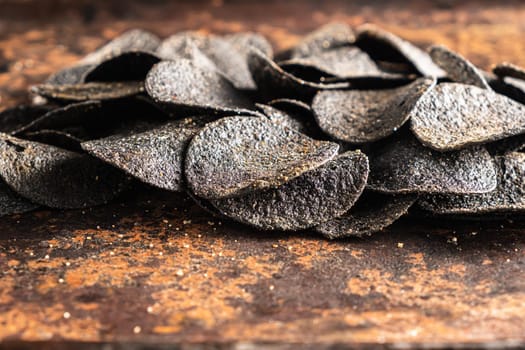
(12, 203)
(236, 155)
(327, 37)
(71, 75)
(58, 138)
(132, 40)
(55, 177)
(509, 195)
(182, 84)
(89, 91)
(453, 116)
(272, 80)
(155, 156)
(314, 197)
(361, 116)
(385, 46)
(507, 69)
(283, 119)
(128, 66)
(402, 165)
(371, 213)
(457, 67)
(15, 118)
(346, 62)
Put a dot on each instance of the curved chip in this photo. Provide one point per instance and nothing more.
(131, 40)
(229, 56)
(305, 201)
(11, 203)
(360, 116)
(283, 119)
(57, 178)
(452, 116)
(403, 165)
(55, 138)
(16, 118)
(182, 83)
(508, 196)
(386, 46)
(457, 67)
(327, 37)
(236, 155)
(185, 45)
(71, 75)
(128, 66)
(273, 80)
(347, 62)
(154, 157)
(507, 69)
(244, 41)
(372, 213)
(89, 91)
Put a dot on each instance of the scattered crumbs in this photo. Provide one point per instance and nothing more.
(179, 273)
(185, 245)
(275, 245)
(68, 263)
(137, 329)
(98, 227)
(111, 253)
(165, 221)
(31, 254)
(67, 315)
(400, 244)
(186, 222)
(473, 233)
(149, 309)
(47, 256)
(88, 238)
(211, 223)
(272, 287)
(151, 245)
(508, 260)
(160, 253)
(199, 235)
(121, 236)
(61, 280)
(205, 275)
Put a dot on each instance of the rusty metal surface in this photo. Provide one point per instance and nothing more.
(152, 268)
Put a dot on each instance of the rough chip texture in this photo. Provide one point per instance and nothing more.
(452, 116)
(273, 80)
(308, 200)
(387, 46)
(154, 157)
(284, 119)
(228, 55)
(236, 155)
(132, 40)
(507, 69)
(182, 83)
(12, 203)
(360, 116)
(372, 212)
(457, 67)
(508, 196)
(89, 91)
(346, 62)
(403, 165)
(128, 66)
(327, 37)
(55, 177)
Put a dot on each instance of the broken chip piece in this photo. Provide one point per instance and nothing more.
(89, 91)
(55, 177)
(385, 46)
(314, 197)
(372, 212)
(360, 116)
(453, 116)
(458, 68)
(507, 197)
(154, 156)
(236, 155)
(182, 83)
(402, 165)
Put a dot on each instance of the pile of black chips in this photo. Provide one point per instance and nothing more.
(342, 133)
